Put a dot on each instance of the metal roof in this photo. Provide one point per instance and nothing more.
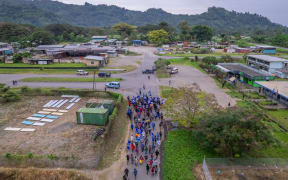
(277, 86)
(93, 110)
(237, 67)
(101, 101)
(95, 58)
(268, 58)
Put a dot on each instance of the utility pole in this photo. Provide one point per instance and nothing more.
(94, 85)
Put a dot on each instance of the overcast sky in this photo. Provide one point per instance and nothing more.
(275, 10)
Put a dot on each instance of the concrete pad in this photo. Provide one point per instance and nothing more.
(62, 111)
(12, 129)
(44, 112)
(38, 124)
(47, 120)
(50, 110)
(33, 118)
(27, 130)
(58, 114)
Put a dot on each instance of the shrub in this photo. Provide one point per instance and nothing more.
(210, 60)
(8, 156)
(30, 155)
(162, 63)
(24, 89)
(11, 96)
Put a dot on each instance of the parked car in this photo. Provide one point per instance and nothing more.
(148, 71)
(82, 72)
(114, 85)
(174, 71)
(104, 74)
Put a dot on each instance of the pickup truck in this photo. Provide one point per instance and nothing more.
(81, 72)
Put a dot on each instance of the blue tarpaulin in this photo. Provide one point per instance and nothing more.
(52, 117)
(27, 122)
(39, 115)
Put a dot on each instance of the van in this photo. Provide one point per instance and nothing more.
(114, 85)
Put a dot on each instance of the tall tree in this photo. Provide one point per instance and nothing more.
(186, 105)
(202, 33)
(124, 29)
(158, 37)
(185, 30)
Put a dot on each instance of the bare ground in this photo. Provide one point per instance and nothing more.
(63, 138)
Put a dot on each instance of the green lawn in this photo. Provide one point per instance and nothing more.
(186, 62)
(47, 65)
(202, 55)
(166, 91)
(181, 154)
(281, 116)
(57, 79)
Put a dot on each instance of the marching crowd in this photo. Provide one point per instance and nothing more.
(143, 147)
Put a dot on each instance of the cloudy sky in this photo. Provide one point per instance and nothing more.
(275, 10)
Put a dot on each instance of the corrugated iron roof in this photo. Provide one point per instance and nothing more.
(93, 110)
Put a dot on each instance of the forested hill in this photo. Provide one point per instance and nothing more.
(44, 12)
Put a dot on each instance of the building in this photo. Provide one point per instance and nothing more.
(137, 43)
(266, 49)
(96, 61)
(277, 90)
(40, 61)
(92, 116)
(242, 50)
(98, 39)
(244, 73)
(267, 63)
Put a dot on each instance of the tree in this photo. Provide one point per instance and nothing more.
(124, 29)
(202, 33)
(280, 40)
(17, 58)
(233, 132)
(210, 60)
(42, 37)
(185, 30)
(158, 37)
(185, 105)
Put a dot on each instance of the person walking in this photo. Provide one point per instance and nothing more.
(147, 169)
(127, 157)
(126, 171)
(135, 173)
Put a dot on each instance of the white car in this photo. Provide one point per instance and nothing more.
(81, 72)
(174, 71)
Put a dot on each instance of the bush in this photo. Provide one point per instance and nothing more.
(11, 96)
(24, 89)
(162, 63)
(233, 131)
(210, 60)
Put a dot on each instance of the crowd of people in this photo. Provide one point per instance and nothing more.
(143, 147)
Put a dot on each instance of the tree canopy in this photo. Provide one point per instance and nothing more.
(233, 132)
(158, 37)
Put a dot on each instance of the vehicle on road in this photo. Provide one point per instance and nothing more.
(148, 71)
(104, 74)
(174, 70)
(154, 68)
(114, 85)
(82, 72)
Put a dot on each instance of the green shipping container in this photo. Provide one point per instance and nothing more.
(92, 116)
(97, 103)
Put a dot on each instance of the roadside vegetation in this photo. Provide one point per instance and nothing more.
(59, 79)
(162, 70)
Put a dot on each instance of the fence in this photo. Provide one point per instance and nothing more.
(252, 168)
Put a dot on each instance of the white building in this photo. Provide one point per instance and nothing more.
(268, 63)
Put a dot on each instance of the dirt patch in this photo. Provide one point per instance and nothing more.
(72, 144)
(243, 172)
(39, 174)
(125, 61)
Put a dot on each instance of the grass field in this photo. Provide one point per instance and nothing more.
(186, 62)
(182, 153)
(47, 65)
(58, 79)
(202, 55)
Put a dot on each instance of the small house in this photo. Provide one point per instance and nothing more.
(40, 61)
(137, 43)
(266, 49)
(97, 39)
(95, 61)
(104, 103)
(92, 116)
